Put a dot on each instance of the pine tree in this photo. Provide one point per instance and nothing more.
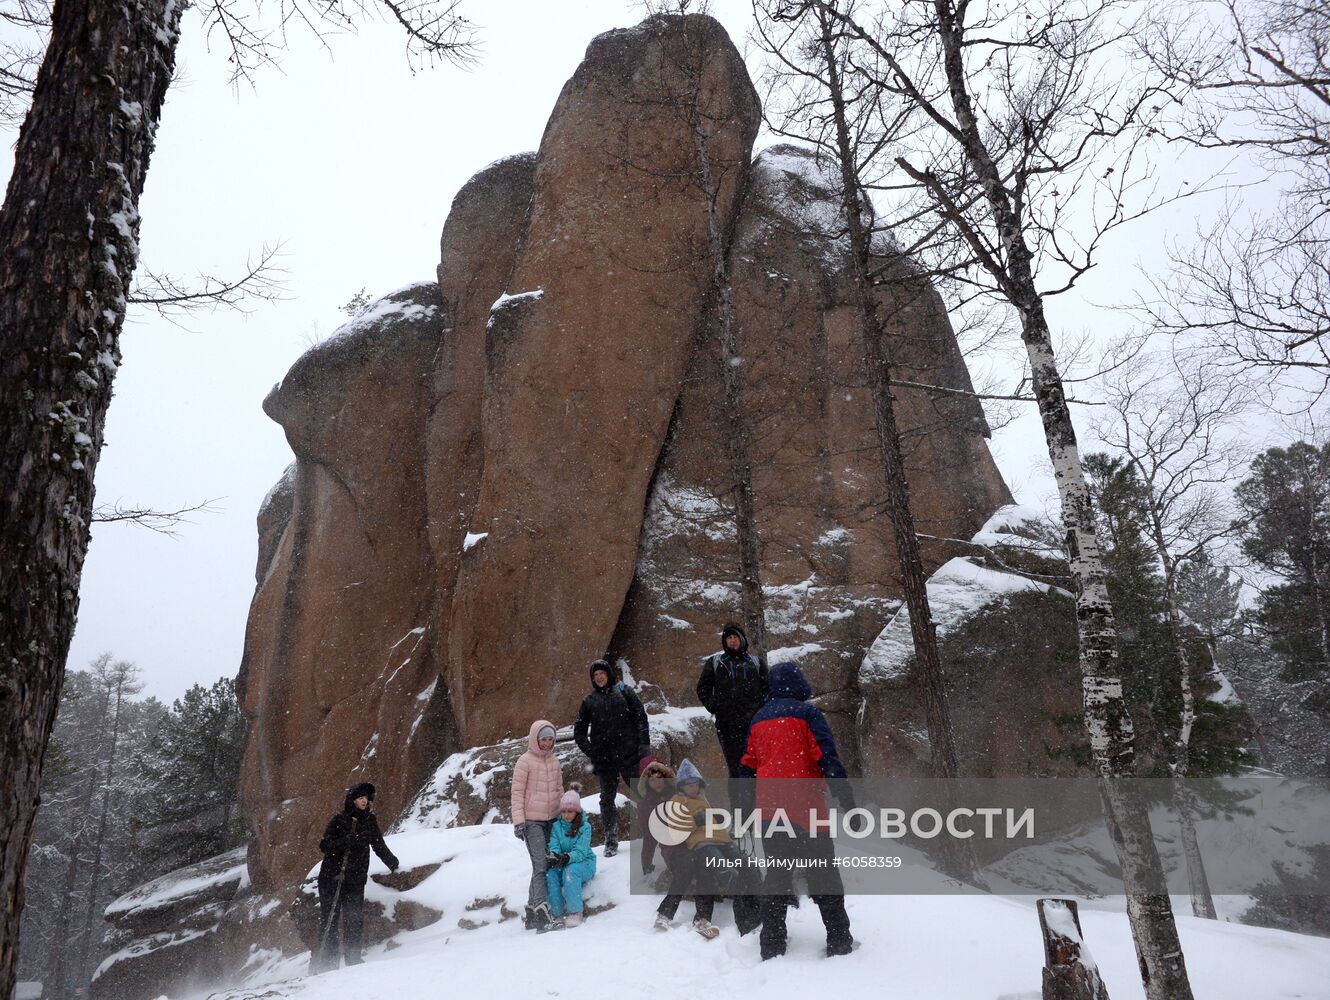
(192, 769)
(83, 849)
(1208, 594)
(1151, 666)
(1147, 660)
(1285, 530)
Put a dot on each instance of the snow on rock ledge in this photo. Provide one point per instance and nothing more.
(958, 590)
(215, 878)
(165, 932)
(473, 787)
(1019, 527)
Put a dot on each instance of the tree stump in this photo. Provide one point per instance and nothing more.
(1069, 971)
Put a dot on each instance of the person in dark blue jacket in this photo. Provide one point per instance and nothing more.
(793, 755)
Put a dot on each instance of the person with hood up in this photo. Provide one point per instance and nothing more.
(687, 863)
(612, 730)
(346, 844)
(656, 785)
(732, 687)
(793, 755)
(572, 863)
(537, 787)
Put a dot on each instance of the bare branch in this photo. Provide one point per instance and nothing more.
(262, 281)
(163, 522)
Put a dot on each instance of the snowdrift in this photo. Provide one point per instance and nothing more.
(973, 947)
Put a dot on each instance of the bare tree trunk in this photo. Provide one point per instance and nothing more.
(60, 937)
(958, 855)
(1202, 900)
(68, 248)
(1112, 740)
(1068, 974)
(85, 947)
(739, 435)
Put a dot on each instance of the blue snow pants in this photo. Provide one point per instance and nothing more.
(565, 886)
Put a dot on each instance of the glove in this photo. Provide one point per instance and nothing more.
(650, 867)
(519, 831)
(701, 818)
(563, 860)
(552, 860)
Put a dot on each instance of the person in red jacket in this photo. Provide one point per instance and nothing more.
(793, 755)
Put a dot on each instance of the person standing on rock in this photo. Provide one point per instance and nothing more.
(792, 754)
(537, 788)
(732, 687)
(612, 730)
(346, 844)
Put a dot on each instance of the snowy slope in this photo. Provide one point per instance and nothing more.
(913, 948)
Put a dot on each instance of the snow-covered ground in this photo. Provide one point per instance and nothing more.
(912, 948)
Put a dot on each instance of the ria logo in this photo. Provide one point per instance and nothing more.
(670, 823)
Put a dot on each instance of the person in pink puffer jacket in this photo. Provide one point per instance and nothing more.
(537, 788)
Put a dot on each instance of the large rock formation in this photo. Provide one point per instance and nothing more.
(501, 476)
(338, 674)
(479, 248)
(585, 360)
(1007, 638)
(829, 557)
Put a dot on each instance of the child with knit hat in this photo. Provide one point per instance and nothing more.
(686, 864)
(571, 862)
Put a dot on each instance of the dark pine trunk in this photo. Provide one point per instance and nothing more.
(86, 947)
(738, 430)
(958, 856)
(68, 248)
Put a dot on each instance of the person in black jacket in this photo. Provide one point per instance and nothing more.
(346, 845)
(732, 687)
(613, 732)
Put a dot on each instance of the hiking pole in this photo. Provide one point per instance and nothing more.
(334, 917)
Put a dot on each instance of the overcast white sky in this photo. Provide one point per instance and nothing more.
(352, 161)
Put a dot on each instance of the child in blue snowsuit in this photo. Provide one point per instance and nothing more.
(571, 863)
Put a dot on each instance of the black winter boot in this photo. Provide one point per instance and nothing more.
(541, 918)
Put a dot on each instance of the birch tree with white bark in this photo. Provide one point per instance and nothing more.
(1173, 419)
(1031, 142)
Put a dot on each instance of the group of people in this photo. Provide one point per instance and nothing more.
(766, 729)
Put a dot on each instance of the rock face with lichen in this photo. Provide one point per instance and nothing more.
(506, 472)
